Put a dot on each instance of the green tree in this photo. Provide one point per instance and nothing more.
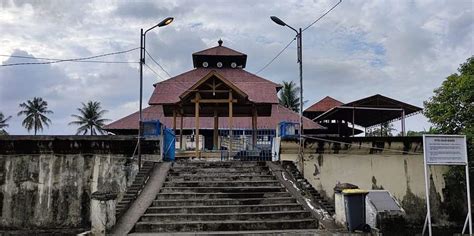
(90, 119)
(387, 129)
(3, 123)
(35, 112)
(289, 96)
(451, 110)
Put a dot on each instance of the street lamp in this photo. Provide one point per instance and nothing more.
(300, 62)
(164, 22)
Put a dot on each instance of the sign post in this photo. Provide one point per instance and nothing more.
(445, 150)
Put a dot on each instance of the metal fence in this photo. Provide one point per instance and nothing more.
(241, 140)
(243, 147)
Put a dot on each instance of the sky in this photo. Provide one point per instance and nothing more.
(401, 49)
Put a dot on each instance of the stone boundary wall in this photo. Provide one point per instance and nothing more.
(46, 181)
(391, 163)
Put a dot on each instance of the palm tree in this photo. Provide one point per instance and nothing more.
(90, 119)
(35, 112)
(289, 96)
(3, 123)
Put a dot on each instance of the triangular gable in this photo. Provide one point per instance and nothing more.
(209, 76)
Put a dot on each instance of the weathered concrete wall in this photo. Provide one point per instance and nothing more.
(47, 181)
(394, 164)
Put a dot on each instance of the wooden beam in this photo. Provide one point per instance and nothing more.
(230, 122)
(254, 127)
(196, 136)
(216, 130)
(214, 100)
(181, 131)
(212, 91)
(174, 120)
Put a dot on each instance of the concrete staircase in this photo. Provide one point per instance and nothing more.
(303, 184)
(132, 192)
(217, 197)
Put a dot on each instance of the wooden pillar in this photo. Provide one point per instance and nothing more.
(216, 130)
(174, 120)
(196, 133)
(254, 127)
(181, 131)
(231, 114)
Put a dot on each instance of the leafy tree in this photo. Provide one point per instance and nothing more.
(387, 129)
(90, 119)
(3, 123)
(289, 96)
(451, 110)
(35, 112)
(420, 133)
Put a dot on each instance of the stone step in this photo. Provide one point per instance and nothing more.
(226, 208)
(205, 164)
(223, 201)
(223, 189)
(221, 183)
(274, 232)
(220, 178)
(189, 226)
(221, 173)
(167, 217)
(219, 169)
(176, 196)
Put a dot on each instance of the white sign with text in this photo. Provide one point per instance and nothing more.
(445, 149)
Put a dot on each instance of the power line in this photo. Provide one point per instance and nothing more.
(153, 59)
(151, 69)
(56, 59)
(272, 60)
(322, 16)
(319, 18)
(82, 59)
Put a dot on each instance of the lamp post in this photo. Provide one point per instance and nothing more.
(300, 62)
(164, 22)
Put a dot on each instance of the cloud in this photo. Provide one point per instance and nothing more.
(402, 49)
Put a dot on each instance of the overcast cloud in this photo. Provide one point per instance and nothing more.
(402, 49)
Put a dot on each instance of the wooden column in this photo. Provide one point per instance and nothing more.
(216, 130)
(174, 120)
(254, 127)
(230, 122)
(196, 133)
(181, 131)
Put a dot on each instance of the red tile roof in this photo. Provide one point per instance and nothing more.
(324, 105)
(155, 112)
(258, 89)
(219, 51)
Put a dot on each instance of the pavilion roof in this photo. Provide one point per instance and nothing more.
(258, 89)
(155, 112)
(370, 111)
(324, 105)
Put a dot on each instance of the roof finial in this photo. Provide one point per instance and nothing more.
(220, 42)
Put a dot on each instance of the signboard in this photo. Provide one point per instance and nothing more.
(445, 149)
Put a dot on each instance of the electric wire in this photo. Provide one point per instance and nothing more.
(154, 72)
(82, 59)
(314, 22)
(323, 15)
(277, 55)
(153, 59)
